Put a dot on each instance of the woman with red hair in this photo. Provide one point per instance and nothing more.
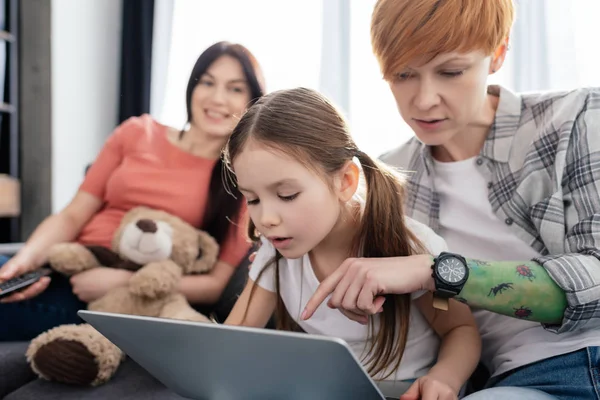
(510, 181)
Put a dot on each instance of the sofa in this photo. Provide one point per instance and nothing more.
(17, 381)
(131, 382)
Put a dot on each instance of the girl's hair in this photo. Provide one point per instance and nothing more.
(223, 207)
(305, 125)
(403, 31)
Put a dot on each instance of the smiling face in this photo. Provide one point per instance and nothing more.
(220, 97)
(291, 205)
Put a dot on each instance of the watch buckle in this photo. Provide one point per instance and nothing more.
(440, 303)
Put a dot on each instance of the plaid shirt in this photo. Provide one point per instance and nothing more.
(541, 160)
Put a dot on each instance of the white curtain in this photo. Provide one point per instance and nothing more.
(334, 79)
(375, 122)
(554, 45)
(161, 44)
(284, 36)
(325, 44)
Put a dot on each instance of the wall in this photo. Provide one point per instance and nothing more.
(85, 42)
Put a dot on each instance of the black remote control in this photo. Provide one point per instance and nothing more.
(21, 282)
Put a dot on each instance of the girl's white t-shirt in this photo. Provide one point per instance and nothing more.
(298, 282)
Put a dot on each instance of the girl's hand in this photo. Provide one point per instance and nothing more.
(94, 283)
(429, 388)
(358, 285)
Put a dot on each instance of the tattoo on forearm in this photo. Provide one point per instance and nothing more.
(521, 290)
(525, 272)
(523, 312)
(498, 289)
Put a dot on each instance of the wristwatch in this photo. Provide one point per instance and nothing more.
(450, 273)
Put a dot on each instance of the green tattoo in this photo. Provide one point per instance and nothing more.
(499, 289)
(521, 290)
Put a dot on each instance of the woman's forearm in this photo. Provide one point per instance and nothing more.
(199, 289)
(521, 290)
(206, 288)
(57, 228)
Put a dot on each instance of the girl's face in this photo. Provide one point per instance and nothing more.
(290, 204)
(220, 97)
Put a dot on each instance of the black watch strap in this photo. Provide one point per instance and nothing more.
(444, 293)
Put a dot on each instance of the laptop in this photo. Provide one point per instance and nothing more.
(218, 362)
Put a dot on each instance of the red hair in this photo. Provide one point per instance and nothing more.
(403, 31)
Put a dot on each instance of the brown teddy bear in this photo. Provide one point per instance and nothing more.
(160, 248)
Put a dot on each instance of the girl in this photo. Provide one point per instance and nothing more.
(510, 181)
(293, 160)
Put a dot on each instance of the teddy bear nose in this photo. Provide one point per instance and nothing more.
(147, 225)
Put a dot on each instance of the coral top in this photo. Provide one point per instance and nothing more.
(139, 166)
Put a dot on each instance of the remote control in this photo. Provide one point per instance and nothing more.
(21, 282)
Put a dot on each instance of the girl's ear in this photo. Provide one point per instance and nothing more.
(347, 181)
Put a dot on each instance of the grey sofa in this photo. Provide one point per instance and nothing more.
(18, 382)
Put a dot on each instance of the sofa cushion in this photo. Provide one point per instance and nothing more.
(14, 369)
(129, 383)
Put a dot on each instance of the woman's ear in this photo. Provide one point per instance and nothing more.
(348, 178)
(499, 56)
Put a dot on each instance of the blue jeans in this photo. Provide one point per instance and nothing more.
(570, 376)
(55, 306)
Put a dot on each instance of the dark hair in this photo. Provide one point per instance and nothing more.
(306, 126)
(223, 206)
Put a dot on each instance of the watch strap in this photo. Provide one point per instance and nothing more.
(442, 292)
(441, 303)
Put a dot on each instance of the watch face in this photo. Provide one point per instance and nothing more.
(451, 270)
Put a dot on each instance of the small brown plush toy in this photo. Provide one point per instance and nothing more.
(160, 248)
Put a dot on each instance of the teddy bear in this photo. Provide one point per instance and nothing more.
(160, 248)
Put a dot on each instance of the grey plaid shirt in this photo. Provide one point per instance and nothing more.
(542, 164)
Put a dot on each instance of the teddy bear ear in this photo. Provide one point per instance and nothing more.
(208, 250)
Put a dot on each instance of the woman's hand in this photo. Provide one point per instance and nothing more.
(94, 283)
(358, 285)
(429, 388)
(20, 264)
(251, 257)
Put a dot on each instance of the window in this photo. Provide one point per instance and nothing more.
(297, 46)
(284, 36)
(376, 124)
